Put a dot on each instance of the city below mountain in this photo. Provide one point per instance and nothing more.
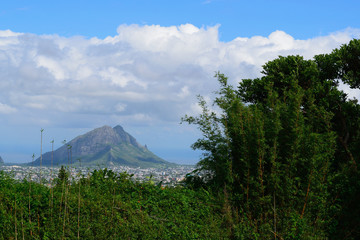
(103, 147)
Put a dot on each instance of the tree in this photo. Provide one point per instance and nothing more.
(287, 139)
(63, 177)
(348, 62)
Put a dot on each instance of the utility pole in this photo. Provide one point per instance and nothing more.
(41, 153)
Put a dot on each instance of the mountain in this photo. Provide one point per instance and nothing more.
(1, 161)
(104, 146)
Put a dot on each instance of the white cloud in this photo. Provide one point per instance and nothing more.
(120, 107)
(53, 66)
(144, 73)
(6, 109)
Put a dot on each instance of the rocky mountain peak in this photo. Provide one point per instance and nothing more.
(125, 137)
(105, 135)
(104, 145)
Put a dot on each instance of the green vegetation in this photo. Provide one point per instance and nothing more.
(281, 156)
(105, 205)
(284, 149)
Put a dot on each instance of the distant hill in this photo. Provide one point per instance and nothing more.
(1, 161)
(104, 146)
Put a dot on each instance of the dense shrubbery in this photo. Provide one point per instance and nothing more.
(106, 205)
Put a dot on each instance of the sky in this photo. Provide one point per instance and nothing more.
(71, 66)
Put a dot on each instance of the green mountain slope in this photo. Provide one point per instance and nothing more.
(104, 146)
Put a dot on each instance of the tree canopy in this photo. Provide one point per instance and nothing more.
(284, 148)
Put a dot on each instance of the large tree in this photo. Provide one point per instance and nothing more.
(285, 146)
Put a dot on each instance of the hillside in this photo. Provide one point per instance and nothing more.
(104, 146)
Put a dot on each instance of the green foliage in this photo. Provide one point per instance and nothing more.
(349, 63)
(63, 177)
(111, 206)
(284, 149)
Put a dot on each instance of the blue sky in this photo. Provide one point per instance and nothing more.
(72, 66)
(301, 19)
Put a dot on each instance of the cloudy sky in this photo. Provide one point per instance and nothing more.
(71, 66)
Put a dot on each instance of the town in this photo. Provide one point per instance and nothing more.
(171, 176)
